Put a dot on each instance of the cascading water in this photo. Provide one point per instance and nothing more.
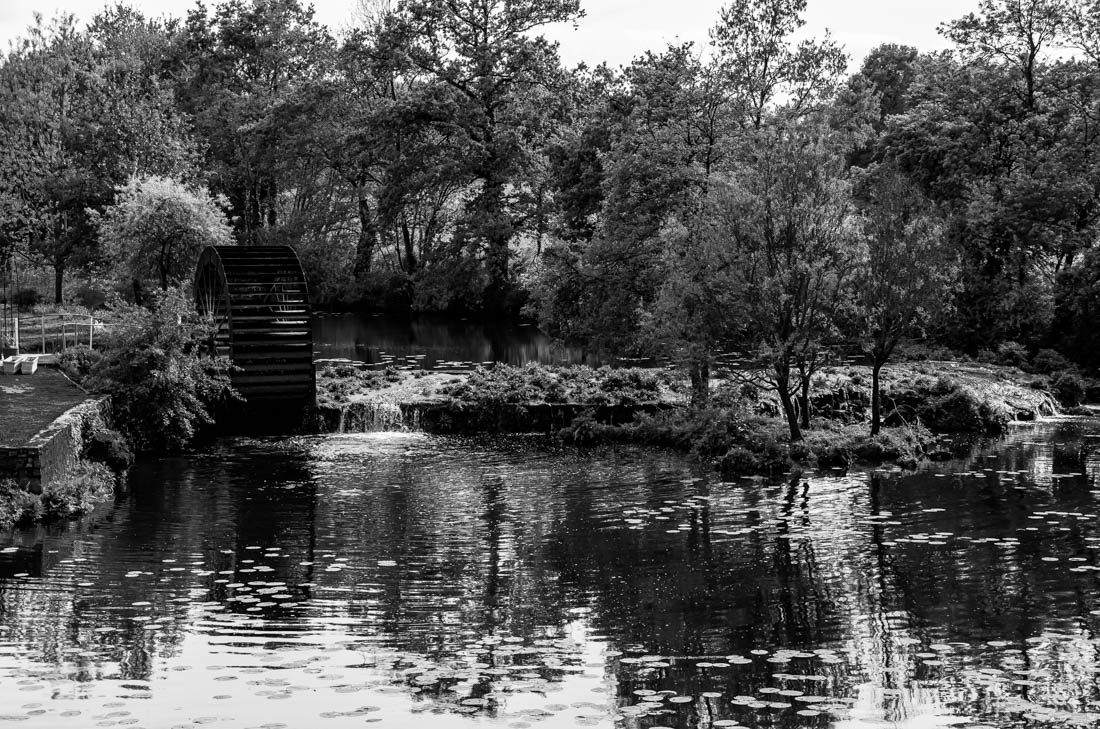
(376, 416)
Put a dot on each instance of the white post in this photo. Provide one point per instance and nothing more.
(91, 327)
(15, 333)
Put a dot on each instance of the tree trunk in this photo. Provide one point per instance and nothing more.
(271, 198)
(58, 281)
(783, 387)
(410, 249)
(804, 398)
(498, 233)
(790, 412)
(700, 383)
(876, 398)
(368, 238)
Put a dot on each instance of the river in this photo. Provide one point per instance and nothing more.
(438, 342)
(408, 580)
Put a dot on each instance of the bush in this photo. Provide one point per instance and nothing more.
(453, 286)
(1069, 388)
(1012, 354)
(336, 383)
(78, 493)
(110, 448)
(91, 296)
(1047, 361)
(18, 506)
(79, 361)
(163, 384)
(943, 406)
(534, 383)
(25, 299)
(923, 352)
(584, 430)
(768, 456)
(388, 291)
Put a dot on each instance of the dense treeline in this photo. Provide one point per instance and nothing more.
(750, 198)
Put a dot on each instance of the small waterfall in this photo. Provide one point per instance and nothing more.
(376, 416)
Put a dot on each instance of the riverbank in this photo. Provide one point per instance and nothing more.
(59, 456)
(740, 432)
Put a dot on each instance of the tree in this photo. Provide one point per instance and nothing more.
(889, 70)
(905, 280)
(1015, 32)
(787, 213)
(83, 110)
(698, 309)
(236, 65)
(502, 82)
(753, 39)
(157, 227)
(1018, 185)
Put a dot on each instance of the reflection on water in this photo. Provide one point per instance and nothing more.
(430, 342)
(404, 579)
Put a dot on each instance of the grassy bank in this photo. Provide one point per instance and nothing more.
(740, 433)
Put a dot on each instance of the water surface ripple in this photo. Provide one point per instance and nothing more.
(408, 580)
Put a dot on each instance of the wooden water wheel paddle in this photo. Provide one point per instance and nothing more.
(257, 299)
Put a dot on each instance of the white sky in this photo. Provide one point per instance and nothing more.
(614, 30)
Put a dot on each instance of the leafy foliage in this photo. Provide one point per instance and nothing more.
(537, 384)
(157, 227)
(164, 387)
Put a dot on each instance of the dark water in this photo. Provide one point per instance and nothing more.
(405, 580)
(430, 342)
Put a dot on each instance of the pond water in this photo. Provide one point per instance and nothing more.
(407, 580)
(437, 342)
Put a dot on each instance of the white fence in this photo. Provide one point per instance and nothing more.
(45, 333)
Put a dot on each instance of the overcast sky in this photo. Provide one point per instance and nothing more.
(614, 30)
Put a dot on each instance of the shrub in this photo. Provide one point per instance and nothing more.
(25, 299)
(79, 492)
(584, 430)
(163, 384)
(1048, 361)
(943, 406)
(923, 352)
(91, 296)
(535, 383)
(110, 448)
(336, 383)
(389, 291)
(1012, 354)
(18, 506)
(768, 456)
(79, 361)
(1069, 388)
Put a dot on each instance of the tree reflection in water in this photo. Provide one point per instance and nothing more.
(394, 574)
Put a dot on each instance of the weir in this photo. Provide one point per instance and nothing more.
(377, 416)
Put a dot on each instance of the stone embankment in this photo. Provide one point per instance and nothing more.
(58, 454)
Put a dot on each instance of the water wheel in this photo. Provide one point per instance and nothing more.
(257, 299)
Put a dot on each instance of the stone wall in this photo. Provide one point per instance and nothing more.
(53, 452)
